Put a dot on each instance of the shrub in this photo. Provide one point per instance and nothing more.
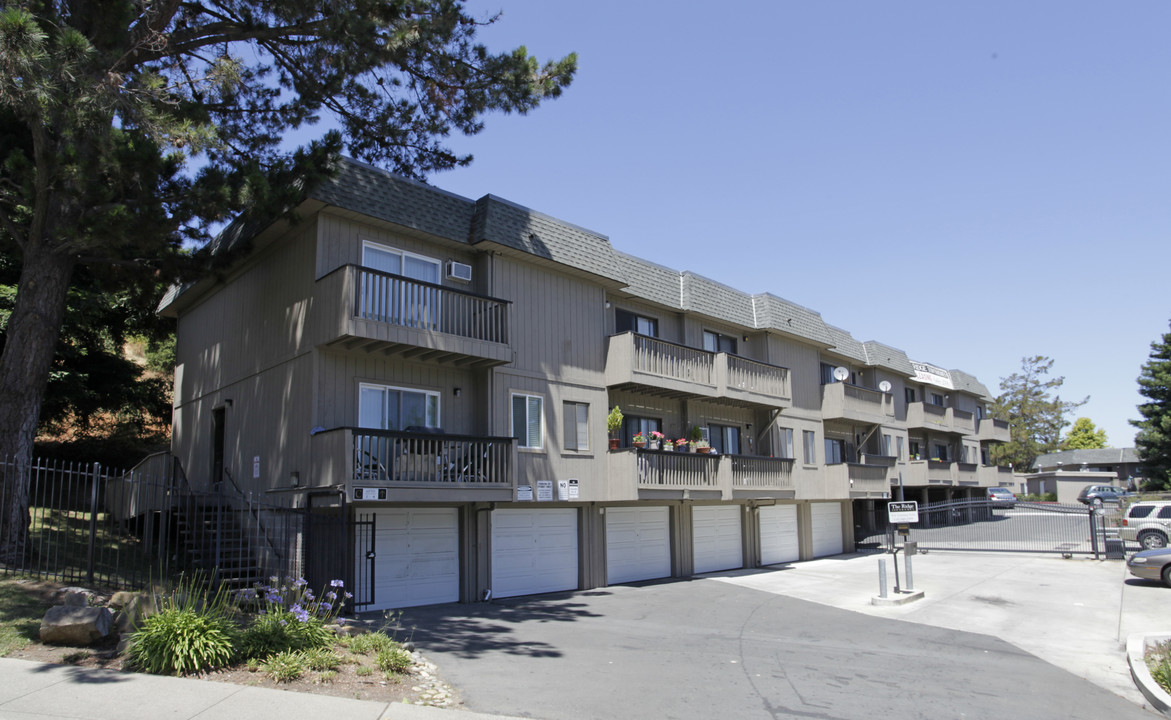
(281, 631)
(374, 642)
(291, 617)
(320, 659)
(363, 670)
(194, 631)
(394, 660)
(285, 666)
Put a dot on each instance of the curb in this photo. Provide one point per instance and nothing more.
(901, 598)
(1136, 646)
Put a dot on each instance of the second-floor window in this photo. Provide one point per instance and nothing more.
(909, 394)
(809, 446)
(577, 426)
(827, 374)
(636, 424)
(715, 342)
(528, 425)
(724, 439)
(394, 300)
(835, 451)
(886, 445)
(626, 321)
(937, 399)
(786, 449)
(899, 447)
(940, 453)
(383, 407)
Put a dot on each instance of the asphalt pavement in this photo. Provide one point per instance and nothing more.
(996, 635)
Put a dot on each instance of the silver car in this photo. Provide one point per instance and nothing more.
(1151, 565)
(1147, 523)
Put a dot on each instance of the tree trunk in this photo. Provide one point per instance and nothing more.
(31, 341)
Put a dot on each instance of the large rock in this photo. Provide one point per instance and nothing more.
(132, 610)
(75, 626)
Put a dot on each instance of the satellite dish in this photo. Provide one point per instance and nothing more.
(840, 374)
(884, 386)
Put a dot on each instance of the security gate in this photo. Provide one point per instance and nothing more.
(978, 524)
(364, 557)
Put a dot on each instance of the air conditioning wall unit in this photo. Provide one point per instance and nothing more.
(459, 271)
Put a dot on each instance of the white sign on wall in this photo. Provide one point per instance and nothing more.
(544, 491)
(256, 467)
(573, 489)
(524, 492)
(903, 512)
(563, 490)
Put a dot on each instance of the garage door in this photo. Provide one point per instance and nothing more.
(533, 551)
(416, 557)
(778, 534)
(716, 542)
(826, 524)
(638, 544)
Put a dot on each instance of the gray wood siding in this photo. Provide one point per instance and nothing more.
(804, 372)
(558, 322)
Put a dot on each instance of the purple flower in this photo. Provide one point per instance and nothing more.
(299, 582)
(309, 595)
(348, 596)
(326, 606)
(336, 583)
(331, 596)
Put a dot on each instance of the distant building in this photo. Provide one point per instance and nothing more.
(1066, 472)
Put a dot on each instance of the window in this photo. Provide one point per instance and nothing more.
(645, 425)
(577, 426)
(940, 453)
(984, 456)
(715, 342)
(810, 447)
(979, 412)
(834, 450)
(909, 394)
(527, 421)
(1164, 512)
(725, 439)
(626, 321)
(937, 399)
(391, 408)
(1140, 511)
(899, 445)
(786, 443)
(886, 445)
(914, 449)
(827, 374)
(395, 301)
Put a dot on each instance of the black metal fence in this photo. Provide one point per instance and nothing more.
(96, 525)
(980, 524)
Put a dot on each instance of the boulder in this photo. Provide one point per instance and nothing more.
(75, 626)
(74, 596)
(132, 610)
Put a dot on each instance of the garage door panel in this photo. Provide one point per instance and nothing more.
(779, 539)
(638, 544)
(534, 551)
(716, 539)
(826, 526)
(416, 557)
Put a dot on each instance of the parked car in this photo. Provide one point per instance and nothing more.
(1148, 523)
(1151, 565)
(999, 497)
(1097, 494)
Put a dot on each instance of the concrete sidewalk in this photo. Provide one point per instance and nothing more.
(1075, 613)
(31, 690)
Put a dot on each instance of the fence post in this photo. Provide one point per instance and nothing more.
(93, 523)
(1094, 532)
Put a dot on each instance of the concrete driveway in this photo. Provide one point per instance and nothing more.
(801, 641)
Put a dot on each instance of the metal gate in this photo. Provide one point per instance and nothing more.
(978, 524)
(363, 561)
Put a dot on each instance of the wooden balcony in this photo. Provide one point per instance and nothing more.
(967, 474)
(376, 312)
(664, 369)
(650, 474)
(928, 416)
(859, 481)
(962, 421)
(992, 430)
(842, 401)
(414, 466)
(995, 476)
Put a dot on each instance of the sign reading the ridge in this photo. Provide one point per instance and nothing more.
(903, 512)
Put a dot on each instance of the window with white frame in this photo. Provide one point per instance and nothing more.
(786, 443)
(716, 342)
(810, 447)
(835, 451)
(899, 447)
(384, 407)
(394, 300)
(527, 420)
(886, 443)
(626, 321)
(577, 425)
(724, 439)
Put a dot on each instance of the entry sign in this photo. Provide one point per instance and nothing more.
(903, 512)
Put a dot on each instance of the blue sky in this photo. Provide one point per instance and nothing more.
(971, 182)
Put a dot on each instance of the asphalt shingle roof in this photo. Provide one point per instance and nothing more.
(780, 314)
(1103, 456)
(716, 300)
(969, 384)
(844, 344)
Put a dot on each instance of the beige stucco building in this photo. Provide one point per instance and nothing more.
(438, 371)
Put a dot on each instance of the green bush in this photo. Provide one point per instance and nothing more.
(394, 660)
(285, 666)
(277, 632)
(1159, 663)
(193, 631)
(321, 659)
(370, 643)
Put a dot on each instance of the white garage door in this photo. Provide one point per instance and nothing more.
(416, 557)
(827, 528)
(638, 544)
(533, 551)
(778, 534)
(716, 542)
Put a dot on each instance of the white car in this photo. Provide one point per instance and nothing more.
(1148, 524)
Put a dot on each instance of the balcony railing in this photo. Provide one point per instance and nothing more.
(419, 305)
(750, 471)
(676, 470)
(962, 421)
(750, 377)
(668, 360)
(993, 429)
(853, 402)
(929, 472)
(967, 473)
(995, 476)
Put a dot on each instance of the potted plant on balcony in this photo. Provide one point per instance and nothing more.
(613, 425)
(639, 440)
(681, 445)
(703, 446)
(655, 440)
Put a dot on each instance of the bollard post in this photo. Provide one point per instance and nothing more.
(910, 549)
(881, 577)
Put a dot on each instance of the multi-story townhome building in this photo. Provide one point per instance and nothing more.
(438, 372)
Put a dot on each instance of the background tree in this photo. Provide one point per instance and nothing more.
(1084, 435)
(1153, 441)
(105, 108)
(1036, 416)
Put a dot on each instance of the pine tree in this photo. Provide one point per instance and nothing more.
(1035, 416)
(1153, 442)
